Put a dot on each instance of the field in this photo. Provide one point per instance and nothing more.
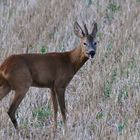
(103, 98)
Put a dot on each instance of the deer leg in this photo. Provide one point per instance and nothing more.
(19, 95)
(61, 99)
(55, 107)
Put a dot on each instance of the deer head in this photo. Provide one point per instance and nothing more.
(88, 43)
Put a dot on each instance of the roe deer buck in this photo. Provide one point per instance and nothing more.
(51, 70)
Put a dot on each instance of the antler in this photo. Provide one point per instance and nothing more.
(95, 29)
(85, 27)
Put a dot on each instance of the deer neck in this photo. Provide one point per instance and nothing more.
(77, 58)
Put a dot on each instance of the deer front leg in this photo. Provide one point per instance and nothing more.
(60, 92)
(55, 107)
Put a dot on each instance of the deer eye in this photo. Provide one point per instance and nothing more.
(95, 43)
(85, 44)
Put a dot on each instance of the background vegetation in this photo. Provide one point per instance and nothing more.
(103, 99)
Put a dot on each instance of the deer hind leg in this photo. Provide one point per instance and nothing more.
(19, 95)
(55, 107)
(61, 99)
(4, 90)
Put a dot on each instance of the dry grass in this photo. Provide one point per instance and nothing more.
(103, 98)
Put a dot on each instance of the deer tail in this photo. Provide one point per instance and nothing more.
(2, 80)
(4, 87)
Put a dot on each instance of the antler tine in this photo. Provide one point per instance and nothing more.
(95, 29)
(85, 27)
(95, 24)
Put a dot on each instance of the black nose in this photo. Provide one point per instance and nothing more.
(92, 53)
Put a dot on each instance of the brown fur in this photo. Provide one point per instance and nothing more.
(51, 70)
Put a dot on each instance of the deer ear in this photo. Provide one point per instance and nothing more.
(78, 30)
(95, 29)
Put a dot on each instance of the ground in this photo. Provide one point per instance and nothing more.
(103, 98)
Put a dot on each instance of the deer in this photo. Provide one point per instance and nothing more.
(52, 70)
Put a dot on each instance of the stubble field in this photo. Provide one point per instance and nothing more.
(103, 98)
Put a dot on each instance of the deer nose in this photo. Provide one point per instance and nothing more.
(92, 53)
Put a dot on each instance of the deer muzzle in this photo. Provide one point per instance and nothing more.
(92, 53)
